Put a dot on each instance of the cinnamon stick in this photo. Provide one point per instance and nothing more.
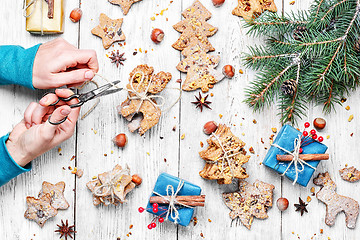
(50, 8)
(305, 157)
(193, 201)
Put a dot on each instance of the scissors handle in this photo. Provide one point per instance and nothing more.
(79, 104)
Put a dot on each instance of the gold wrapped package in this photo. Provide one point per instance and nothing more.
(44, 16)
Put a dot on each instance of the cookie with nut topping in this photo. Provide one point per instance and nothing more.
(224, 157)
(197, 9)
(56, 192)
(40, 210)
(252, 200)
(124, 4)
(350, 174)
(250, 9)
(144, 113)
(109, 30)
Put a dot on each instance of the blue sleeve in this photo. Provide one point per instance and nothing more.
(8, 167)
(16, 65)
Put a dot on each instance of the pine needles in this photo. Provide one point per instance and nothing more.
(319, 49)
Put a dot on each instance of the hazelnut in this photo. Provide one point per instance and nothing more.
(157, 35)
(120, 140)
(228, 71)
(319, 123)
(136, 179)
(218, 3)
(210, 127)
(282, 204)
(75, 14)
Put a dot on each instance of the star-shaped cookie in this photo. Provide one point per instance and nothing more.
(109, 30)
(56, 193)
(132, 108)
(39, 210)
(124, 4)
(217, 166)
(250, 201)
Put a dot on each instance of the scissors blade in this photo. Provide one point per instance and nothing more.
(94, 93)
(108, 92)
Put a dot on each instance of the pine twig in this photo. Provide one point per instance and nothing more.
(332, 7)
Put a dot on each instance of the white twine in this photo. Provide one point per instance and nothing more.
(296, 159)
(33, 2)
(227, 156)
(144, 96)
(171, 198)
(110, 185)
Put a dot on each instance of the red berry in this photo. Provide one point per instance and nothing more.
(153, 225)
(305, 133)
(149, 226)
(320, 139)
(314, 137)
(141, 209)
(307, 124)
(313, 131)
(161, 220)
(301, 150)
(155, 205)
(155, 209)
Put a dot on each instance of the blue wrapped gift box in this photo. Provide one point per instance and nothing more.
(285, 139)
(188, 189)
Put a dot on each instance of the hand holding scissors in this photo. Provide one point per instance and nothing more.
(80, 99)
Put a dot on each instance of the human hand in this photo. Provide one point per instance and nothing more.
(34, 135)
(58, 63)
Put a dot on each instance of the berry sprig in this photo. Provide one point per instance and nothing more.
(155, 208)
(309, 137)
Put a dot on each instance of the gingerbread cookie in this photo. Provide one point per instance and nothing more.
(250, 9)
(224, 157)
(56, 193)
(188, 35)
(201, 73)
(250, 201)
(197, 9)
(334, 202)
(197, 24)
(109, 30)
(350, 174)
(40, 210)
(124, 4)
(195, 46)
(111, 187)
(140, 108)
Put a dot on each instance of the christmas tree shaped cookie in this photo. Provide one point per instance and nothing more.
(224, 157)
(250, 201)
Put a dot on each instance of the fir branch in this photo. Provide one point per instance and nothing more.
(322, 75)
(260, 96)
(332, 8)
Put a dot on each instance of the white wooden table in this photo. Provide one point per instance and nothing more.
(181, 155)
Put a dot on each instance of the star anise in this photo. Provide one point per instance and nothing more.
(301, 206)
(201, 102)
(65, 230)
(117, 58)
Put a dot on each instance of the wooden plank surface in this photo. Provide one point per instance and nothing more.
(145, 155)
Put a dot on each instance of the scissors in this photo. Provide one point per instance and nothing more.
(84, 97)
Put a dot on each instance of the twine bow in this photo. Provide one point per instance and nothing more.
(34, 2)
(110, 185)
(296, 159)
(171, 198)
(144, 96)
(227, 155)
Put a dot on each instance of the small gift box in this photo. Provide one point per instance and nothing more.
(44, 16)
(163, 186)
(286, 139)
